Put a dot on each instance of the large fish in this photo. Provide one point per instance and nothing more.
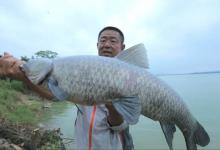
(90, 80)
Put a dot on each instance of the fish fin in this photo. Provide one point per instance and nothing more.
(168, 130)
(56, 90)
(201, 137)
(129, 108)
(190, 143)
(36, 70)
(136, 55)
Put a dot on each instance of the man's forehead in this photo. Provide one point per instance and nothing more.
(110, 33)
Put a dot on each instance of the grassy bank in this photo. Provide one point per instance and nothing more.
(19, 105)
(22, 110)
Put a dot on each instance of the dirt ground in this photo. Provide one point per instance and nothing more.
(24, 137)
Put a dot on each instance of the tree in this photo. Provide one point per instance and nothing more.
(24, 58)
(46, 54)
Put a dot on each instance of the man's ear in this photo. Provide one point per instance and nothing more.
(123, 46)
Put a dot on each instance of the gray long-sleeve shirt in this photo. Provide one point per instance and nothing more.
(93, 132)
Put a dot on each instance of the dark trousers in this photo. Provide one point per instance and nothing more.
(127, 141)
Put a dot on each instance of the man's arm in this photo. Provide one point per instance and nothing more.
(114, 118)
(10, 67)
(115, 121)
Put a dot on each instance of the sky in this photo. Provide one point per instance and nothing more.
(180, 36)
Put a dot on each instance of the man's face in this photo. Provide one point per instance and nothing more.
(109, 43)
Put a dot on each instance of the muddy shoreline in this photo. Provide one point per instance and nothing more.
(26, 137)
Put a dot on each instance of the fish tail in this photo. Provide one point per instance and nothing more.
(201, 137)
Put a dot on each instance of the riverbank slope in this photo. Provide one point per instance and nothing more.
(20, 113)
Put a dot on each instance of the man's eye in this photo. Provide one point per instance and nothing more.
(114, 41)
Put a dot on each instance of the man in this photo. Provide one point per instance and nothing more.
(102, 125)
(96, 127)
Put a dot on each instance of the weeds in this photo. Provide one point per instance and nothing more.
(11, 106)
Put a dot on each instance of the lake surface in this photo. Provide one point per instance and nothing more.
(201, 92)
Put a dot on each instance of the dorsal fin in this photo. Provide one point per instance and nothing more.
(136, 55)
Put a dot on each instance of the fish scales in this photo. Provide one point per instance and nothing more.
(93, 77)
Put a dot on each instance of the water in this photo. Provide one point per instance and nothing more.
(199, 91)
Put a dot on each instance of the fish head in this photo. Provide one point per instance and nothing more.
(37, 70)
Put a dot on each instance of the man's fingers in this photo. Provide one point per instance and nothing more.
(7, 61)
(7, 55)
(9, 66)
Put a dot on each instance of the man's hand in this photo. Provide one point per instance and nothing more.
(10, 67)
(114, 118)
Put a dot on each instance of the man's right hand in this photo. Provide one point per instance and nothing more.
(10, 67)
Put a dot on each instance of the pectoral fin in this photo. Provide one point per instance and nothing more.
(56, 90)
(168, 130)
(129, 108)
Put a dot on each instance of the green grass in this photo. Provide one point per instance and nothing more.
(19, 106)
(28, 111)
(22, 114)
(12, 85)
(11, 107)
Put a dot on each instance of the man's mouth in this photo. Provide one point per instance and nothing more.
(106, 53)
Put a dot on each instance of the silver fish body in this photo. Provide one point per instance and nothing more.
(95, 80)
(92, 80)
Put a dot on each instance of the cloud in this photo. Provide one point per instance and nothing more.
(174, 32)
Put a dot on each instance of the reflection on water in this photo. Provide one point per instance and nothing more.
(65, 121)
(200, 92)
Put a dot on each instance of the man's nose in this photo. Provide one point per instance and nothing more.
(107, 44)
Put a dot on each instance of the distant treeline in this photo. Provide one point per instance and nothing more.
(41, 54)
(202, 72)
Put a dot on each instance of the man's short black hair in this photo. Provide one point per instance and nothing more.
(114, 29)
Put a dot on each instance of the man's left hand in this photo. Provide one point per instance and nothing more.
(114, 118)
